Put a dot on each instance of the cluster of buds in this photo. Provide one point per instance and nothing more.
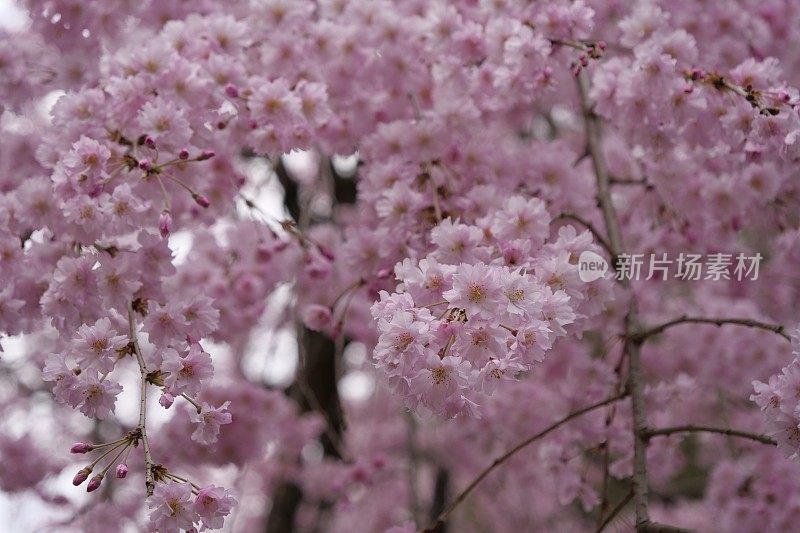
(588, 50)
(120, 446)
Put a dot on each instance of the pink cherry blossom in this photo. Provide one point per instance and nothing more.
(97, 346)
(212, 505)
(186, 373)
(172, 508)
(208, 421)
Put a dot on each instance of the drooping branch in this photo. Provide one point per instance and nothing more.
(632, 348)
(650, 332)
(707, 429)
(142, 427)
(513, 451)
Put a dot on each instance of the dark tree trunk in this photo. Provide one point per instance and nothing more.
(318, 390)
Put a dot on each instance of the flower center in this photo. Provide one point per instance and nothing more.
(403, 340)
(476, 293)
(440, 375)
(99, 345)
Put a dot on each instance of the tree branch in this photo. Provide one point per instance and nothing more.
(655, 527)
(511, 452)
(632, 347)
(614, 512)
(706, 429)
(775, 328)
(142, 427)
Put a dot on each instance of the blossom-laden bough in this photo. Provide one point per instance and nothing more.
(317, 264)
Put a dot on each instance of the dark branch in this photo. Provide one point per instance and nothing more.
(615, 511)
(706, 429)
(775, 328)
(511, 452)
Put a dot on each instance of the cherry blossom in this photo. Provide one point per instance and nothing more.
(347, 246)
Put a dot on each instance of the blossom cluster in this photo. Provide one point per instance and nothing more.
(779, 398)
(483, 307)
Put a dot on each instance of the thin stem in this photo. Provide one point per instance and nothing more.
(707, 429)
(632, 348)
(437, 210)
(118, 441)
(511, 452)
(193, 402)
(437, 304)
(614, 512)
(114, 460)
(104, 455)
(181, 479)
(181, 183)
(775, 328)
(352, 287)
(163, 192)
(148, 458)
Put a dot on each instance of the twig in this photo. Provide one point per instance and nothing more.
(706, 429)
(775, 328)
(511, 452)
(142, 427)
(655, 527)
(615, 511)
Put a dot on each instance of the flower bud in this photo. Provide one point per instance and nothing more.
(232, 90)
(144, 164)
(316, 317)
(207, 154)
(183, 154)
(326, 253)
(94, 483)
(81, 476)
(201, 200)
(165, 224)
(149, 142)
(122, 471)
(166, 400)
(81, 447)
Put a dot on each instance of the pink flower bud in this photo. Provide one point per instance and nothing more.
(81, 476)
(94, 483)
(207, 154)
(697, 73)
(326, 253)
(316, 317)
(81, 447)
(144, 164)
(165, 224)
(183, 154)
(201, 200)
(122, 471)
(232, 90)
(149, 142)
(166, 400)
